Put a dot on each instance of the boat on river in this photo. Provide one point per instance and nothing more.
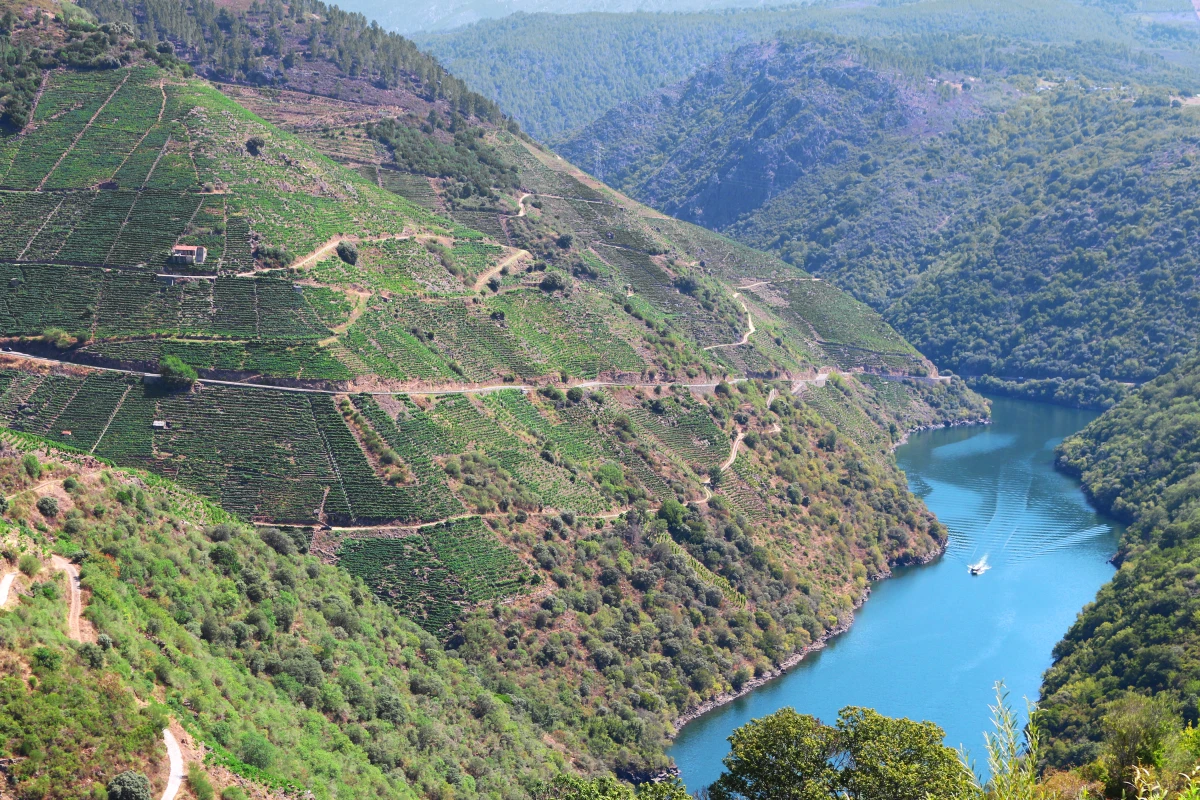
(979, 567)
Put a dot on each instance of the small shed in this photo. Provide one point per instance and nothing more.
(160, 424)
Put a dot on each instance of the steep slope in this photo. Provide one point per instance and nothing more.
(989, 217)
(556, 73)
(1140, 462)
(281, 670)
(617, 463)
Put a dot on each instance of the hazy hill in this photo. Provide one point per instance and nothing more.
(555, 73)
(412, 16)
(987, 215)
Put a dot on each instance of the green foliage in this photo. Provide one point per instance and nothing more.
(567, 787)
(347, 252)
(175, 372)
(1123, 681)
(48, 506)
(467, 160)
(999, 240)
(218, 42)
(555, 73)
(790, 756)
(129, 786)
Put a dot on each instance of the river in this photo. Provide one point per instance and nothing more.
(932, 640)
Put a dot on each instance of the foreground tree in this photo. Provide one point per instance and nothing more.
(867, 756)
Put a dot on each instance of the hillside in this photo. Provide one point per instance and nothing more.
(413, 17)
(615, 465)
(556, 73)
(1130, 662)
(1001, 221)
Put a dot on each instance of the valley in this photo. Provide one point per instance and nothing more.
(356, 443)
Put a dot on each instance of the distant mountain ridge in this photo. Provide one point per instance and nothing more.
(988, 214)
(556, 73)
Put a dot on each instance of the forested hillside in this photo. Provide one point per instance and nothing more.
(1123, 688)
(597, 466)
(1025, 226)
(556, 73)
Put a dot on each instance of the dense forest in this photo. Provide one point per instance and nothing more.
(556, 73)
(1026, 225)
(1125, 685)
(304, 45)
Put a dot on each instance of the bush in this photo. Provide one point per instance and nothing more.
(175, 372)
(59, 338)
(129, 786)
(48, 506)
(256, 751)
(198, 782)
(255, 145)
(278, 541)
(31, 466)
(30, 565)
(221, 533)
(553, 282)
(347, 252)
(233, 793)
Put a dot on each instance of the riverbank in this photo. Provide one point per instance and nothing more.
(725, 698)
(932, 641)
(749, 686)
(713, 703)
(922, 428)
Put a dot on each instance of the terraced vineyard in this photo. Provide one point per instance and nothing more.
(433, 574)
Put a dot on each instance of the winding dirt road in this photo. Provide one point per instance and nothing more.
(73, 626)
(177, 774)
(746, 336)
(507, 261)
(733, 451)
(6, 586)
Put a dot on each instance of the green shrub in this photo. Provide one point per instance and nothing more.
(129, 786)
(30, 565)
(198, 782)
(347, 252)
(48, 506)
(30, 464)
(256, 751)
(175, 372)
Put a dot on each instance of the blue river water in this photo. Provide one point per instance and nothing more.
(932, 640)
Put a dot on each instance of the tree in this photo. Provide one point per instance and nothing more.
(866, 756)
(784, 756)
(48, 506)
(175, 372)
(566, 787)
(347, 252)
(1136, 731)
(898, 759)
(129, 786)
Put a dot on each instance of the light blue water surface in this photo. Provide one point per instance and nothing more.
(932, 640)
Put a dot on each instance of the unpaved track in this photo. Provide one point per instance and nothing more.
(453, 389)
(62, 565)
(6, 586)
(177, 774)
(733, 451)
(746, 336)
(507, 261)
